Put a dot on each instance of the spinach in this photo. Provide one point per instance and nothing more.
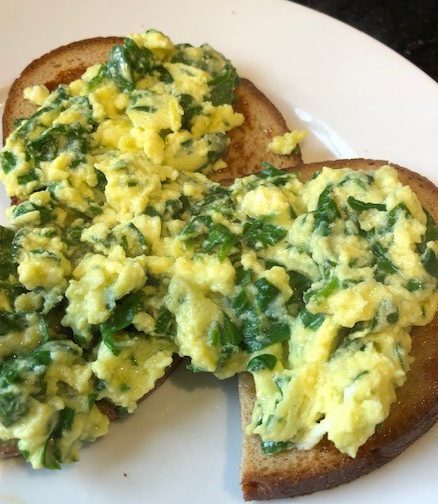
(196, 227)
(182, 55)
(205, 57)
(325, 291)
(164, 74)
(243, 277)
(30, 176)
(44, 330)
(28, 206)
(393, 317)
(165, 323)
(128, 63)
(264, 361)
(101, 181)
(431, 228)
(279, 331)
(431, 233)
(42, 357)
(258, 234)
(266, 293)
(121, 317)
(326, 212)
(11, 322)
(383, 265)
(111, 343)
(29, 125)
(191, 108)
(13, 407)
(226, 336)
(151, 211)
(98, 79)
(300, 284)
(221, 239)
(259, 332)
(60, 94)
(393, 215)
(230, 333)
(222, 86)
(269, 171)
(175, 208)
(91, 400)
(311, 320)
(275, 176)
(150, 109)
(8, 161)
(50, 456)
(133, 241)
(413, 285)
(65, 422)
(430, 262)
(360, 375)
(72, 235)
(361, 206)
(56, 139)
(273, 447)
(6, 260)
(217, 199)
(217, 146)
(241, 302)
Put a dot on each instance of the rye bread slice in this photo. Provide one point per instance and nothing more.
(247, 148)
(295, 472)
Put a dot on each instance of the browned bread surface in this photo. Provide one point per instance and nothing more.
(249, 142)
(296, 472)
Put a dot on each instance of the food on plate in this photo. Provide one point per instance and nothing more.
(369, 353)
(126, 250)
(248, 142)
(103, 176)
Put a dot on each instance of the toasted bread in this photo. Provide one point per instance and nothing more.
(248, 142)
(295, 472)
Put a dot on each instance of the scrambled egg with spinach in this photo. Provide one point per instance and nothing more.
(103, 175)
(122, 253)
(313, 288)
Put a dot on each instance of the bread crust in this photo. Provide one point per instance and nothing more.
(295, 472)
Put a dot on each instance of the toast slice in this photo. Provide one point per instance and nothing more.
(295, 472)
(248, 147)
(248, 142)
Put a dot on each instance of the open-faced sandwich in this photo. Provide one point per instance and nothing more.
(159, 212)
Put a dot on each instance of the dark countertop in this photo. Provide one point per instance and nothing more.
(410, 27)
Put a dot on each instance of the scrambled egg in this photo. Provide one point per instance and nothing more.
(122, 253)
(287, 143)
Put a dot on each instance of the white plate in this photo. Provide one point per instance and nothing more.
(356, 97)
